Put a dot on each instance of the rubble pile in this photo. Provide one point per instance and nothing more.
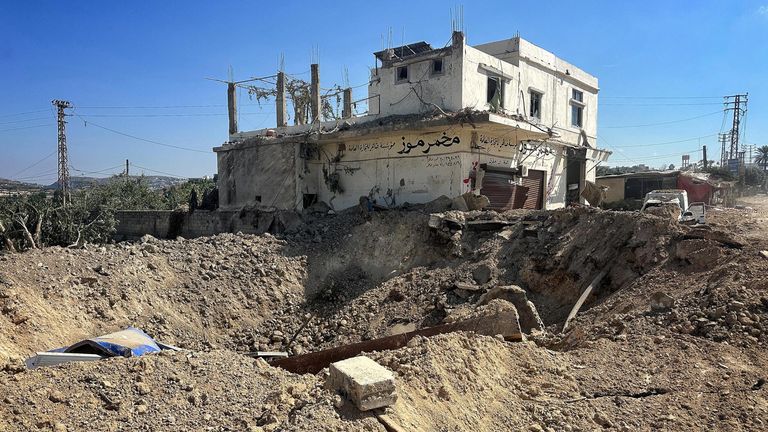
(671, 337)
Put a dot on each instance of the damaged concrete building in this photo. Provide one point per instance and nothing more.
(504, 119)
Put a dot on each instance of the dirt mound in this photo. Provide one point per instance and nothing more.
(671, 338)
(193, 293)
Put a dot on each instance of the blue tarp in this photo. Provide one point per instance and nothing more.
(130, 342)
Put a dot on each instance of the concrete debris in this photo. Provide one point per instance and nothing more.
(366, 383)
(661, 301)
(528, 315)
(482, 274)
(764, 254)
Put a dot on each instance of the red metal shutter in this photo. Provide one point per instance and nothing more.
(535, 184)
(499, 190)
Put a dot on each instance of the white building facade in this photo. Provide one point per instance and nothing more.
(505, 119)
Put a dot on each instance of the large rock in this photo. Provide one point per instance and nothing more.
(701, 253)
(476, 202)
(366, 383)
(526, 310)
(482, 274)
(498, 317)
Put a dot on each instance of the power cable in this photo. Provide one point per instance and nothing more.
(27, 127)
(663, 123)
(86, 122)
(666, 142)
(26, 120)
(660, 97)
(661, 104)
(156, 171)
(35, 164)
(23, 113)
(176, 115)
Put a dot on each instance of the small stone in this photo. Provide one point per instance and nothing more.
(142, 388)
(141, 409)
(481, 274)
(56, 396)
(602, 420)
(661, 301)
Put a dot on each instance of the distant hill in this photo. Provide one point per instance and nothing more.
(155, 182)
(7, 185)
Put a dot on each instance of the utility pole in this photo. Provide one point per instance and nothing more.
(704, 154)
(62, 146)
(126, 168)
(738, 104)
(723, 139)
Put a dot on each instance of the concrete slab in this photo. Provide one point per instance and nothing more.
(366, 383)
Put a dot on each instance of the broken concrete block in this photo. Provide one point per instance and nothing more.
(366, 383)
(764, 254)
(476, 202)
(498, 317)
(481, 274)
(526, 310)
(459, 204)
(661, 301)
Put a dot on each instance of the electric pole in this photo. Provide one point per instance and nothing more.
(723, 139)
(63, 162)
(126, 168)
(704, 153)
(737, 104)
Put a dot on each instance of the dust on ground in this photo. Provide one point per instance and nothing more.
(672, 338)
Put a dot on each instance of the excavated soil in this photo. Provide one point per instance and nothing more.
(672, 337)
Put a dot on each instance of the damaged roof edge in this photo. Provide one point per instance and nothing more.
(391, 124)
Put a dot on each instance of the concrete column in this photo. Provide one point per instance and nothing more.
(232, 108)
(458, 39)
(280, 104)
(346, 111)
(314, 93)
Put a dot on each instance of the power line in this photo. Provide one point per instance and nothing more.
(26, 120)
(34, 164)
(87, 122)
(663, 123)
(174, 115)
(663, 156)
(661, 104)
(156, 171)
(27, 127)
(660, 97)
(103, 171)
(23, 113)
(666, 142)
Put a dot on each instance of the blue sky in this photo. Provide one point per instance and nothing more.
(157, 54)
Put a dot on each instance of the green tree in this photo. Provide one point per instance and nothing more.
(762, 157)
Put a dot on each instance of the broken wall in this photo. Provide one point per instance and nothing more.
(258, 172)
(417, 167)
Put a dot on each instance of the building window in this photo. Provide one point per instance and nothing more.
(577, 108)
(437, 66)
(535, 110)
(495, 95)
(402, 74)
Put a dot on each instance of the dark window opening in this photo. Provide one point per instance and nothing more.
(535, 110)
(578, 95)
(402, 73)
(577, 115)
(309, 199)
(437, 66)
(258, 198)
(495, 95)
